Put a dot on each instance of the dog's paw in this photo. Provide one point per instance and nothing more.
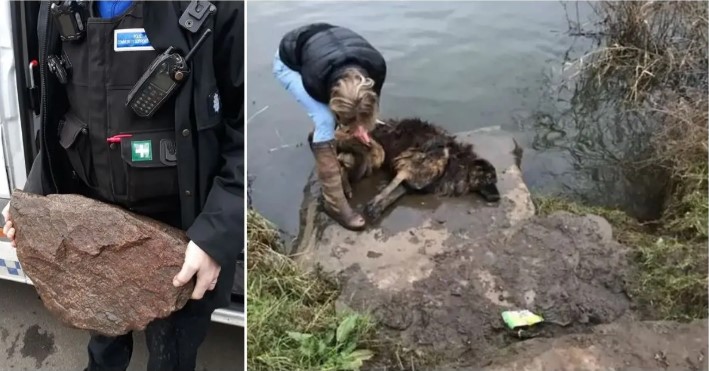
(373, 210)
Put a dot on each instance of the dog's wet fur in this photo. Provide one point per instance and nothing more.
(421, 157)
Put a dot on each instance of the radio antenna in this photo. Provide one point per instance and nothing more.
(198, 44)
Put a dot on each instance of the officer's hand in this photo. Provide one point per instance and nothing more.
(8, 229)
(198, 262)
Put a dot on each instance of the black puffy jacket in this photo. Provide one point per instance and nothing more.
(320, 52)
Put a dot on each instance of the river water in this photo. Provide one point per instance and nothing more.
(463, 65)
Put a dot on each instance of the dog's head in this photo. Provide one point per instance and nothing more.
(482, 177)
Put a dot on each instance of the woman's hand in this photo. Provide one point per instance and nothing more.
(8, 229)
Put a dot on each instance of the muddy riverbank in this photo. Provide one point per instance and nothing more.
(608, 132)
(436, 278)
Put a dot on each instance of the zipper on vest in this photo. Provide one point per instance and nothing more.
(43, 81)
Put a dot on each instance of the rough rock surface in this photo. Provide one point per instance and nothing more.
(616, 346)
(437, 273)
(96, 266)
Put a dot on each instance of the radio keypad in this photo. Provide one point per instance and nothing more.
(148, 99)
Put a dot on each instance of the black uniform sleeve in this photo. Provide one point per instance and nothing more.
(36, 180)
(219, 228)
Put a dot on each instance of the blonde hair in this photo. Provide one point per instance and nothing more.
(354, 101)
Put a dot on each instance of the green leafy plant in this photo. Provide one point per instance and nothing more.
(336, 349)
(292, 319)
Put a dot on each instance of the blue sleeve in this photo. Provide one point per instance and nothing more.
(321, 115)
(112, 8)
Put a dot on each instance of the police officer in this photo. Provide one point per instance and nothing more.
(183, 165)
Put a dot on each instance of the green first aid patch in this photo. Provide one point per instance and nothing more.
(141, 150)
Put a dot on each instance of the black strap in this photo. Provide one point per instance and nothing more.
(181, 7)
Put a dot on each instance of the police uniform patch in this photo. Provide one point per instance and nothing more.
(214, 103)
(141, 150)
(131, 39)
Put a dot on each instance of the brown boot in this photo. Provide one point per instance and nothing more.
(336, 204)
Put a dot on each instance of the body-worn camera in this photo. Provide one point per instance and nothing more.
(196, 14)
(70, 19)
(161, 80)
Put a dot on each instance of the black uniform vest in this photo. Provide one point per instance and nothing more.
(121, 157)
(320, 52)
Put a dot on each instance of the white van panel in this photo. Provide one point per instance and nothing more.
(4, 181)
(9, 264)
(14, 173)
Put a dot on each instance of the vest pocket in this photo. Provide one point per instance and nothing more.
(150, 164)
(74, 138)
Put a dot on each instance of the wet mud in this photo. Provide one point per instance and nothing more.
(618, 346)
(561, 267)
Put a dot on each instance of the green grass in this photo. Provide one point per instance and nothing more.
(651, 59)
(293, 324)
(669, 280)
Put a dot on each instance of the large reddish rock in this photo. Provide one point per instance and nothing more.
(96, 266)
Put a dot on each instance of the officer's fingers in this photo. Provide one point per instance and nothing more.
(188, 270)
(203, 283)
(6, 228)
(215, 276)
(11, 235)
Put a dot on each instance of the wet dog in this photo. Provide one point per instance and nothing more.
(421, 157)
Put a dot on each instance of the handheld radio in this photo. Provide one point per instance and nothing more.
(160, 81)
